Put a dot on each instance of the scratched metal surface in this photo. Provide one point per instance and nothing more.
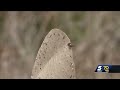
(55, 58)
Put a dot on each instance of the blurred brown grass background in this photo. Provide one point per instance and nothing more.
(96, 35)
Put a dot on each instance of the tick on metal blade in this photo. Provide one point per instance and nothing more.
(70, 45)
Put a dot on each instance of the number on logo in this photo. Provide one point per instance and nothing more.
(99, 68)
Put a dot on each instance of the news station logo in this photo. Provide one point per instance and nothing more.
(102, 68)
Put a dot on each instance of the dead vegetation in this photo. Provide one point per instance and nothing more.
(96, 36)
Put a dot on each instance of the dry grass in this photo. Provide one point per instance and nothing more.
(95, 34)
